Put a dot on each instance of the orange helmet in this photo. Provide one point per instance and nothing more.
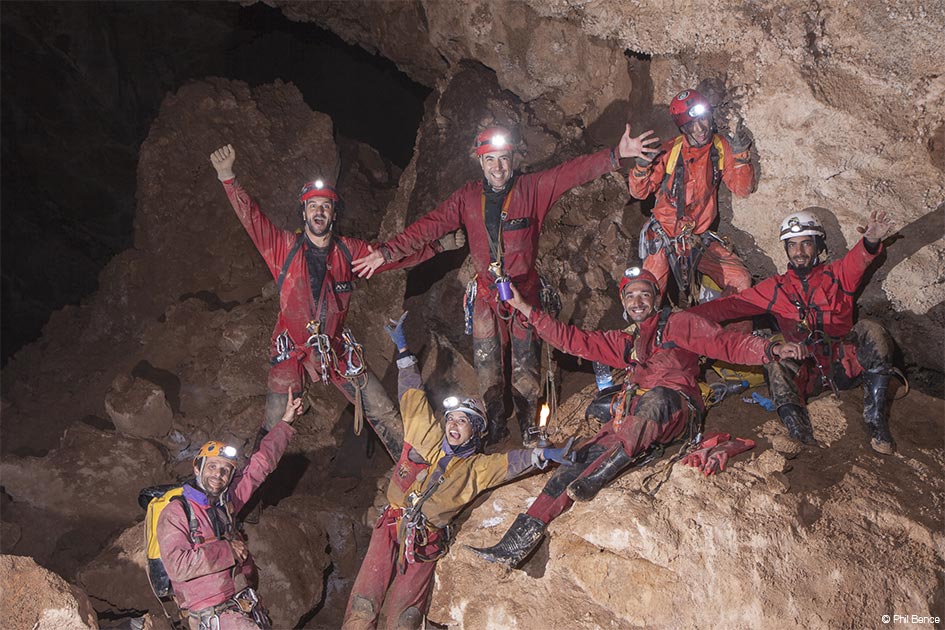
(213, 448)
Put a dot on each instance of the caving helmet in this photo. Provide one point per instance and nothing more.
(687, 106)
(495, 138)
(804, 223)
(473, 410)
(317, 188)
(214, 448)
(632, 274)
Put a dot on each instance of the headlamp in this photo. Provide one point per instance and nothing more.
(697, 110)
(632, 272)
(229, 452)
(451, 402)
(319, 184)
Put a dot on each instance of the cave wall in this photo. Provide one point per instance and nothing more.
(844, 104)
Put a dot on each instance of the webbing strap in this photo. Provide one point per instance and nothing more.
(288, 261)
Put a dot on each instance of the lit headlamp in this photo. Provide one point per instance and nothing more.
(452, 402)
(317, 188)
(229, 452)
(632, 272)
(697, 111)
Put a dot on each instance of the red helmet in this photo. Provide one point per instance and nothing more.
(317, 188)
(687, 106)
(636, 273)
(494, 139)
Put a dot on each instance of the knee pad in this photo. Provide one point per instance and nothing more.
(659, 404)
(362, 609)
(410, 619)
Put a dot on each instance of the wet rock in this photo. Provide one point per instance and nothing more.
(37, 599)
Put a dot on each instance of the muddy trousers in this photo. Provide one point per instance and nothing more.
(724, 267)
(491, 336)
(379, 410)
(384, 598)
(867, 348)
(658, 416)
(228, 621)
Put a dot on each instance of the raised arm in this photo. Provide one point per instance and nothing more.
(269, 240)
(737, 172)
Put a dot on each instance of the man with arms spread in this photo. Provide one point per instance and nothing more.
(503, 215)
(660, 398)
(315, 286)
(441, 470)
(813, 305)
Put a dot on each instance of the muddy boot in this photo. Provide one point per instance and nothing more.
(874, 411)
(586, 487)
(797, 422)
(521, 539)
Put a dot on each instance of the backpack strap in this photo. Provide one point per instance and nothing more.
(192, 523)
(288, 261)
(661, 326)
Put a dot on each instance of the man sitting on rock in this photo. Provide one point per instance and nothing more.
(210, 570)
(813, 305)
(315, 286)
(686, 178)
(441, 470)
(659, 402)
(503, 214)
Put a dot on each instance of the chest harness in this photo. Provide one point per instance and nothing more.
(684, 250)
(354, 368)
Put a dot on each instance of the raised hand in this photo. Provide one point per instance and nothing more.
(877, 227)
(222, 160)
(644, 146)
(367, 265)
(293, 408)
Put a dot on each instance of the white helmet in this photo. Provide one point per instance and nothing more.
(803, 223)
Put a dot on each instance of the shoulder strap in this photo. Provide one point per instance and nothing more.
(192, 523)
(661, 325)
(717, 153)
(288, 261)
(344, 249)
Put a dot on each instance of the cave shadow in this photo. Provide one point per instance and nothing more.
(212, 300)
(165, 379)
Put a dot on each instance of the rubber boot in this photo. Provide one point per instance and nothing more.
(797, 422)
(875, 386)
(519, 541)
(586, 487)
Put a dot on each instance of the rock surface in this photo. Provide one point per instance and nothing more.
(37, 599)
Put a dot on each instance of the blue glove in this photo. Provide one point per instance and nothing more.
(396, 331)
(562, 455)
(766, 403)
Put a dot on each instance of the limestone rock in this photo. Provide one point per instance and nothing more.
(138, 407)
(117, 578)
(37, 599)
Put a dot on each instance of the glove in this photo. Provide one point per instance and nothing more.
(453, 240)
(698, 458)
(740, 141)
(719, 455)
(396, 331)
(562, 455)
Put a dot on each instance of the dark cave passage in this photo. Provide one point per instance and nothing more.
(82, 83)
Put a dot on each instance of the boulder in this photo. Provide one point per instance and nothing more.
(138, 407)
(35, 598)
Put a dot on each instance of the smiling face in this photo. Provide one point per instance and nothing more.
(215, 476)
(802, 251)
(639, 300)
(698, 131)
(458, 428)
(497, 168)
(318, 214)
